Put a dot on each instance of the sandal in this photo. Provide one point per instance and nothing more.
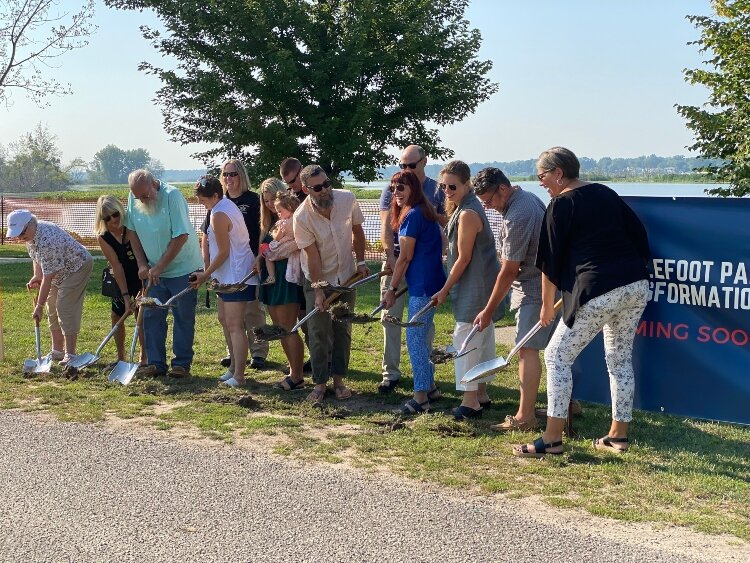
(607, 443)
(342, 392)
(540, 449)
(464, 413)
(512, 423)
(317, 396)
(434, 395)
(412, 407)
(288, 384)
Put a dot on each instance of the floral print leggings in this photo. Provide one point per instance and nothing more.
(418, 345)
(617, 313)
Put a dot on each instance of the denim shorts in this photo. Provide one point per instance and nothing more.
(247, 294)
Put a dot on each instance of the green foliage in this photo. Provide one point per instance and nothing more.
(335, 82)
(33, 164)
(722, 129)
(111, 165)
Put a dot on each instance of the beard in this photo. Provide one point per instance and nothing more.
(149, 206)
(322, 203)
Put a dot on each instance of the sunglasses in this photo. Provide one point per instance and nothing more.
(290, 182)
(411, 165)
(230, 174)
(320, 187)
(397, 187)
(114, 215)
(451, 187)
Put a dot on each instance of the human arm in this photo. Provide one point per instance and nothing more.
(469, 226)
(549, 291)
(315, 266)
(221, 226)
(44, 288)
(140, 255)
(204, 251)
(118, 272)
(358, 245)
(173, 249)
(407, 245)
(36, 278)
(505, 278)
(386, 239)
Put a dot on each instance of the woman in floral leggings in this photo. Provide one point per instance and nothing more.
(594, 249)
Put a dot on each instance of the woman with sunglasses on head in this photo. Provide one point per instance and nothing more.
(420, 262)
(229, 261)
(283, 298)
(594, 249)
(473, 267)
(109, 225)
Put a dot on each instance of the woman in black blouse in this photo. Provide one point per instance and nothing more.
(594, 249)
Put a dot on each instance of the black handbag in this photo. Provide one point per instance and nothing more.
(109, 284)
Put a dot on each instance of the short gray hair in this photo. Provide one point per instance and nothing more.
(309, 171)
(140, 176)
(562, 158)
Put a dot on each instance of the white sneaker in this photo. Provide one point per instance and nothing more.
(227, 376)
(232, 382)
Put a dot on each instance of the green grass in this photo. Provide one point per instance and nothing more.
(684, 472)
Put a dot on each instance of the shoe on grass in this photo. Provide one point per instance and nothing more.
(257, 362)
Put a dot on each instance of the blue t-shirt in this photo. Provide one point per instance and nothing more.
(425, 274)
(431, 192)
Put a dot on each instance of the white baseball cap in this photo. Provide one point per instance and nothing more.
(17, 221)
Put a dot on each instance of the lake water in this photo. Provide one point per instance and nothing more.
(627, 188)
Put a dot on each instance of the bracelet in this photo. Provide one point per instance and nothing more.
(361, 263)
(124, 294)
(391, 288)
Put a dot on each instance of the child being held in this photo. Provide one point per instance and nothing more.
(283, 236)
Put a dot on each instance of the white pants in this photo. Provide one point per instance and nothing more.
(483, 341)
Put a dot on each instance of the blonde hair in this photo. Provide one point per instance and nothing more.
(107, 205)
(267, 219)
(288, 201)
(244, 179)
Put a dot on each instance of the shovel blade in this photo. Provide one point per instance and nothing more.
(484, 372)
(126, 378)
(121, 370)
(43, 366)
(29, 365)
(85, 359)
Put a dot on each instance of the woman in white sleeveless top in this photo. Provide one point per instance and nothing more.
(228, 259)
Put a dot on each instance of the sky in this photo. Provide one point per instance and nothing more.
(597, 76)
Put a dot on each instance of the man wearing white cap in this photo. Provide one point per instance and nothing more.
(62, 268)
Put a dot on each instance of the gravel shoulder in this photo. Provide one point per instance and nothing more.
(76, 492)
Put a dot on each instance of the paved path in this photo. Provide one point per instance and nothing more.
(88, 493)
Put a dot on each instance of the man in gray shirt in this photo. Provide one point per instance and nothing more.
(522, 216)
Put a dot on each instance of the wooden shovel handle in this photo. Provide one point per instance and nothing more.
(335, 295)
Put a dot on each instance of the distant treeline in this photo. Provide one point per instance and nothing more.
(604, 168)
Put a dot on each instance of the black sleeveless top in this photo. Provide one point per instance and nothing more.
(126, 256)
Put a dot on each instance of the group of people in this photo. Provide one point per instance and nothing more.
(283, 246)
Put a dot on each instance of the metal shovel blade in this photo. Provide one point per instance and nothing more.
(419, 314)
(391, 320)
(85, 359)
(155, 303)
(41, 364)
(123, 372)
(485, 372)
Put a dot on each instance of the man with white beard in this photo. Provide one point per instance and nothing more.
(167, 251)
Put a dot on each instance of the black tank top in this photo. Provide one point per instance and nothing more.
(126, 256)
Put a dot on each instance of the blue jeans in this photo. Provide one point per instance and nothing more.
(183, 328)
(418, 340)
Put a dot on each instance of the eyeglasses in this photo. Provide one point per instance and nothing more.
(412, 165)
(290, 182)
(451, 187)
(319, 187)
(397, 187)
(106, 218)
(488, 202)
(230, 174)
(541, 176)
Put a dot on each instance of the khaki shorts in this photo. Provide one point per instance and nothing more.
(65, 302)
(526, 317)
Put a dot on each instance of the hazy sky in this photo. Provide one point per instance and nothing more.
(600, 77)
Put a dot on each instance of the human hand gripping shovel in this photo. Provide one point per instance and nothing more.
(449, 352)
(38, 365)
(155, 303)
(87, 358)
(487, 371)
(391, 320)
(123, 372)
(344, 315)
(214, 285)
(274, 332)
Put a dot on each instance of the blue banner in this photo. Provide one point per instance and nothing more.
(692, 346)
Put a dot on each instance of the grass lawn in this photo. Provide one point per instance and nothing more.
(685, 472)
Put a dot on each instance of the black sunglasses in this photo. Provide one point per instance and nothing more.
(397, 187)
(451, 187)
(114, 215)
(320, 187)
(290, 182)
(230, 174)
(412, 165)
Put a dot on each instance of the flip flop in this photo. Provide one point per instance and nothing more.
(607, 444)
(316, 396)
(342, 392)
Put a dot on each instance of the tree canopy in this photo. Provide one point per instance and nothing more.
(32, 164)
(722, 126)
(336, 82)
(111, 165)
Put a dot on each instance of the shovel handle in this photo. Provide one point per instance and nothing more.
(117, 325)
(474, 330)
(423, 310)
(531, 333)
(138, 322)
(380, 307)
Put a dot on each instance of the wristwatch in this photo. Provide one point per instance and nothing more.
(391, 288)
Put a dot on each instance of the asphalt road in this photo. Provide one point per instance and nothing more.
(72, 492)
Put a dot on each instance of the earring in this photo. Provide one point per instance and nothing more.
(559, 183)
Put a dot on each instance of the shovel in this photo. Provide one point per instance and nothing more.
(155, 303)
(391, 320)
(87, 358)
(274, 332)
(449, 352)
(213, 285)
(487, 371)
(38, 365)
(355, 318)
(123, 372)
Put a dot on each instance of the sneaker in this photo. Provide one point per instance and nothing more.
(178, 372)
(56, 355)
(149, 370)
(225, 362)
(232, 382)
(258, 363)
(307, 367)
(227, 376)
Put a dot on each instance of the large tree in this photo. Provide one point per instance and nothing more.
(33, 35)
(336, 82)
(33, 164)
(722, 126)
(111, 165)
